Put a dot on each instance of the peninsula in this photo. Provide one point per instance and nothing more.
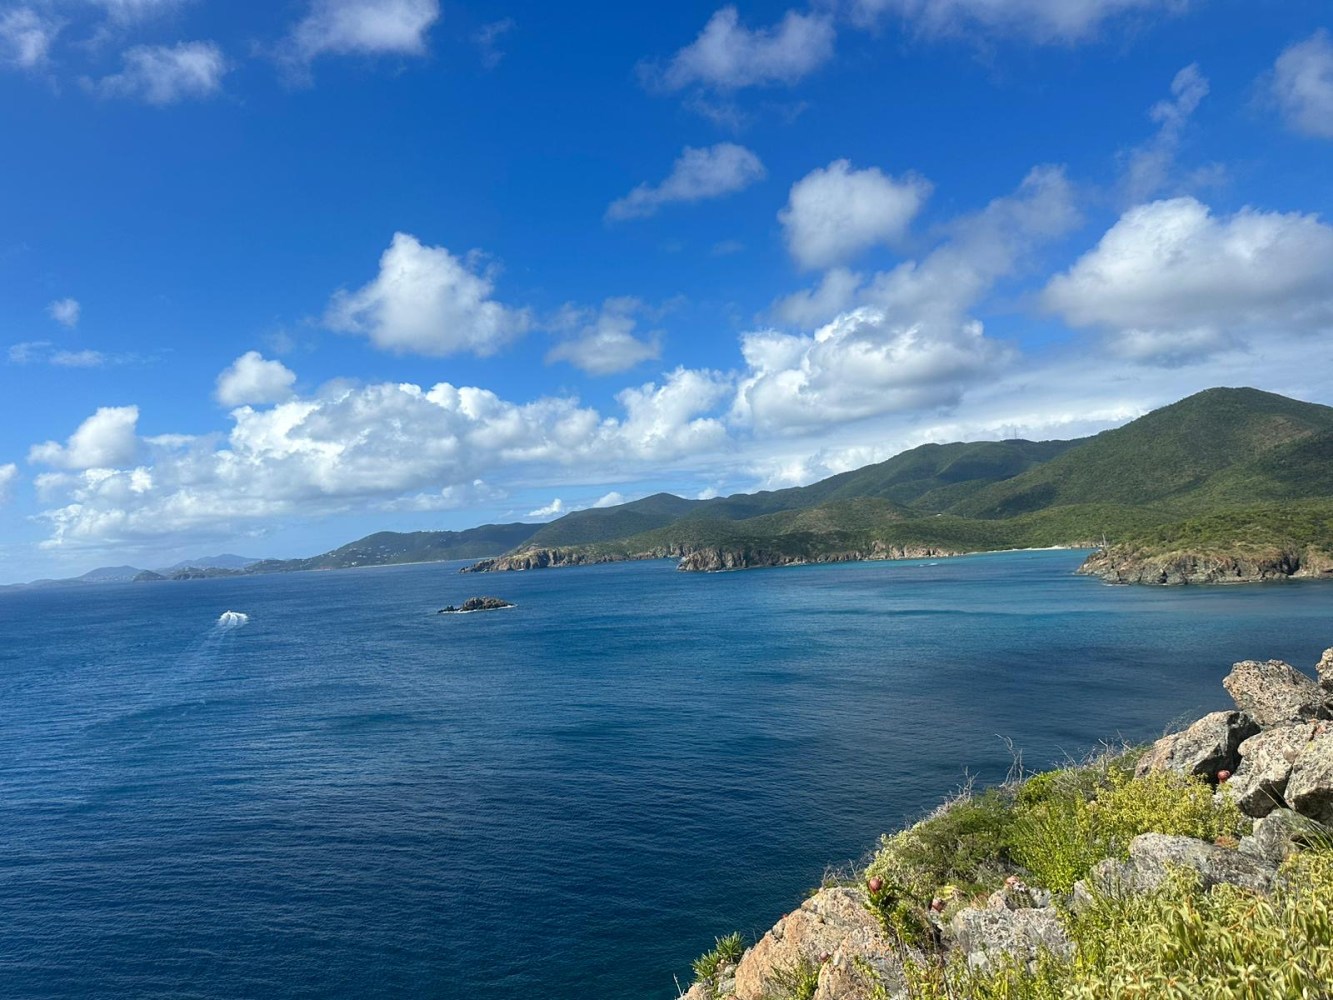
(1201, 866)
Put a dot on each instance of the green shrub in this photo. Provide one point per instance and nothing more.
(1058, 841)
(794, 982)
(1164, 802)
(728, 951)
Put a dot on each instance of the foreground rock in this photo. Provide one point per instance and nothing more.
(476, 604)
(1273, 693)
(1210, 745)
(1260, 782)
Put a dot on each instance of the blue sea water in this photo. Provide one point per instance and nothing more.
(348, 795)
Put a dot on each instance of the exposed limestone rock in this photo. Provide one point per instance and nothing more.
(1272, 692)
(718, 558)
(1153, 855)
(1266, 761)
(1280, 833)
(822, 926)
(865, 968)
(544, 559)
(987, 935)
(1310, 787)
(1210, 745)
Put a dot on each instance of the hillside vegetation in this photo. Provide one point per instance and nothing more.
(1227, 484)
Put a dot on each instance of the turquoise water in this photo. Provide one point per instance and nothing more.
(349, 795)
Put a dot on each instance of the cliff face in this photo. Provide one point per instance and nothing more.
(544, 559)
(1244, 802)
(1124, 564)
(705, 559)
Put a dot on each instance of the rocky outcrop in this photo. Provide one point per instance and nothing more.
(1282, 831)
(1152, 857)
(1260, 781)
(544, 559)
(991, 935)
(1272, 755)
(476, 604)
(1310, 788)
(1208, 746)
(1273, 693)
(714, 559)
(1124, 564)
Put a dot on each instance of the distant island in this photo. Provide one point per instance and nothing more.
(1225, 486)
(476, 604)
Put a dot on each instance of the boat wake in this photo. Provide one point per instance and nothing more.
(232, 619)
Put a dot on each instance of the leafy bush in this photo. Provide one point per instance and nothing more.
(728, 951)
(1164, 802)
(1058, 841)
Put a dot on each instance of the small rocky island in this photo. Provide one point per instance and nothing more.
(476, 604)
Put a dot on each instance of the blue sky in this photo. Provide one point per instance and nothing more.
(273, 276)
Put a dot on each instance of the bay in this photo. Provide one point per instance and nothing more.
(349, 795)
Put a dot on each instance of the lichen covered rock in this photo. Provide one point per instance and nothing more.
(1210, 745)
(1273, 693)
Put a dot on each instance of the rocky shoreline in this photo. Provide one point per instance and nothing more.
(1267, 764)
(1123, 564)
(702, 559)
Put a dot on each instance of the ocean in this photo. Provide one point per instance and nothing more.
(348, 795)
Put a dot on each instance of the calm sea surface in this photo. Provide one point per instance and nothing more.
(350, 796)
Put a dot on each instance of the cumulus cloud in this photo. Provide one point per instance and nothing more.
(25, 37)
(167, 74)
(727, 55)
(1171, 282)
(364, 27)
(813, 307)
(699, 174)
(9, 475)
(612, 499)
(1041, 21)
(427, 301)
(1149, 168)
(834, 213)
(603, 343)
(553, 509)
(65, 312)
(1301, 84)
(352, 445)
(911, 342)
(252, 379)
(105, 440)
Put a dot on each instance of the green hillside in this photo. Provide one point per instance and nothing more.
(1169, 457)
(389, 547)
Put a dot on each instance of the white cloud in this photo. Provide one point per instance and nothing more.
(26, 37)
(727, 55)
(487, 39)
(1302, 85)
(167, 74)
(427, 301)
(834, 213)
(1171, 282)
(1042, 21)
(352, 445)
(252, 379)
(1149, 168)
(129, 11)
(9, 475)
(105, 440)
(862, 364)
(78, 359)
(29, 352)
(553, 509)
(911, 344)
(604, 343)
(612, 499)
(364, 27)
(810, 308)
(65, 312)
(698, 174)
